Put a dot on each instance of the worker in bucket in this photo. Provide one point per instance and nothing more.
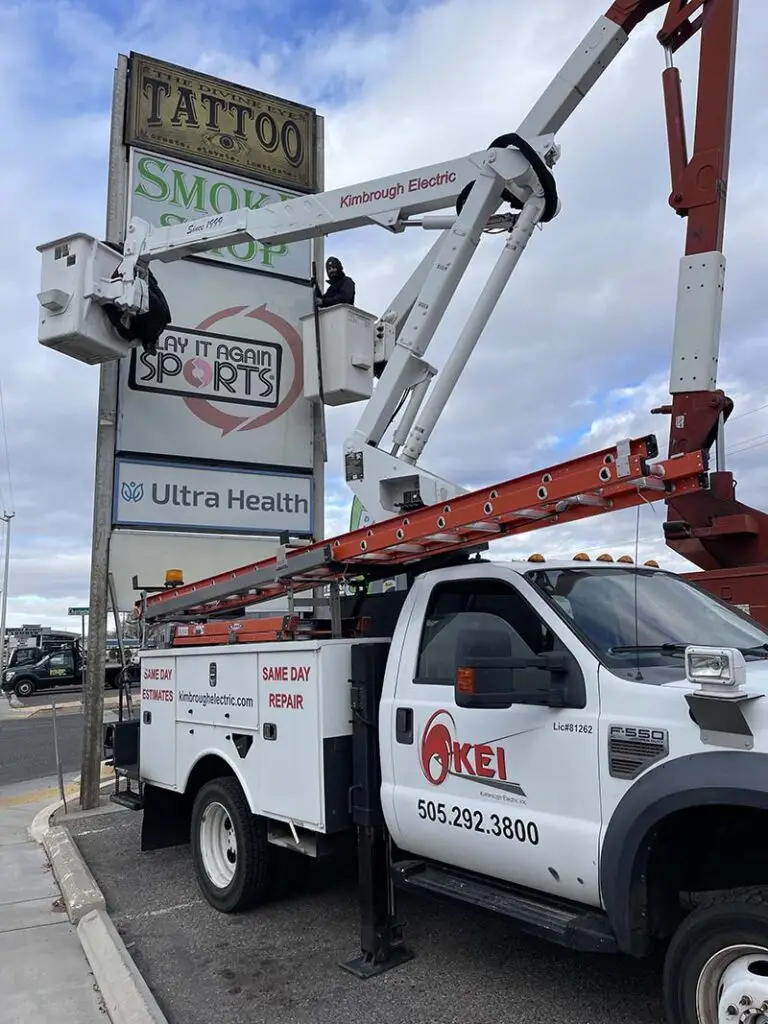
(341, 288)
(144, 327)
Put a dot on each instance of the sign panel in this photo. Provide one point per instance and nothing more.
(78, 611)
(148, 553)
(166, 192)
(214, 453)
(226, 384)
(201, 498)
(182, 113)
(215, 367)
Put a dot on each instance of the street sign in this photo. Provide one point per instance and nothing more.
(78, 611)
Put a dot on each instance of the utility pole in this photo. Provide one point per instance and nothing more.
(6, 517)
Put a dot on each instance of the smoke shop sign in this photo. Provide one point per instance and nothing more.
(166, 192)
(205, 120)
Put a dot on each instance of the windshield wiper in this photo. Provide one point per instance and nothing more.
(761, 651)
(651, 649)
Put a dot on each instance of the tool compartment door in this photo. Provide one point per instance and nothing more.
(290, 763)
(157, 751)
(219, 687)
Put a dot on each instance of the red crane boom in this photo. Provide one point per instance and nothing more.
(715, 531)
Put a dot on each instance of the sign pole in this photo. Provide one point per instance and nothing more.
(320, 441)
(4, 603)
(93, 694)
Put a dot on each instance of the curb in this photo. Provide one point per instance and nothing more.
(66, 707)
(125, 993)
(42, 820)
(77, 884)
(126, 996)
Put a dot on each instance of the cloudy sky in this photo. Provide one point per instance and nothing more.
(578, 349)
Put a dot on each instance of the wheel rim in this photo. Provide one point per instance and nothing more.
(218, 845)
(24, 690)
(733, 987)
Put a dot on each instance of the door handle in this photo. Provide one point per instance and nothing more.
(404, 725)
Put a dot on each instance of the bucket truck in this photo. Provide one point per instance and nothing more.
(722, 536)
(580, 748)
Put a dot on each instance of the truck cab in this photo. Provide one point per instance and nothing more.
(522, 704)
(22, 656)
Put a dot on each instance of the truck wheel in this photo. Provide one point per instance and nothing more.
(24, 688)
(234, 863)
(716, 967)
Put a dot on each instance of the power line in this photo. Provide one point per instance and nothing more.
(7, 452)
(749, 443)
(750, 412)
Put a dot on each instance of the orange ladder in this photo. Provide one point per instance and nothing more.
(618, 477)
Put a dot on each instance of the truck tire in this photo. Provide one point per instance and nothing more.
(716, 965)
(234, 863)
(24, 688)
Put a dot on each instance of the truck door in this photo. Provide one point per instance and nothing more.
(61, 668)
(511, 792)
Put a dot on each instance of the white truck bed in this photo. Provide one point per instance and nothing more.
(277, 713)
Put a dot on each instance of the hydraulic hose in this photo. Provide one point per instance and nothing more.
(540, 169)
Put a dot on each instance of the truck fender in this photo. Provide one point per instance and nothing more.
(696, 780)
(236, 771)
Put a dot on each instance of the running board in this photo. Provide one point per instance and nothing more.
(128, 798)
(563, 923)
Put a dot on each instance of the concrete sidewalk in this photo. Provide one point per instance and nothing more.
(11, 708)
(44, 973)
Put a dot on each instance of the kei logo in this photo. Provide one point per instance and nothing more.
(443, 754)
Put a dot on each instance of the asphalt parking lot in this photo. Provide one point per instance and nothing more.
(279, 964)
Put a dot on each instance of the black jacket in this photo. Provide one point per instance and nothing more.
(340, 291)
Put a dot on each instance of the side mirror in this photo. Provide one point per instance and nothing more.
(487, 678)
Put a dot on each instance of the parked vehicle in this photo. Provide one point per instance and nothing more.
(62, 667)
(581, 747)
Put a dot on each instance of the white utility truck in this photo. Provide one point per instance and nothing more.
(578, 746)
(582, 748)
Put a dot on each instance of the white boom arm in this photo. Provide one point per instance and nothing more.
(384, 482)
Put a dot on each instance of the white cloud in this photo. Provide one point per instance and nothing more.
(578, 349)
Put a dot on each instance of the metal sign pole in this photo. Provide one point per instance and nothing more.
(93, 693)
(4, 604)
(59, 768)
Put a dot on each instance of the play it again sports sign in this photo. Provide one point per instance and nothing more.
(226, 383)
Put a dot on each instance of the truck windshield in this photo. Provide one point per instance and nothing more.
(631, 614)
(26, 656)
